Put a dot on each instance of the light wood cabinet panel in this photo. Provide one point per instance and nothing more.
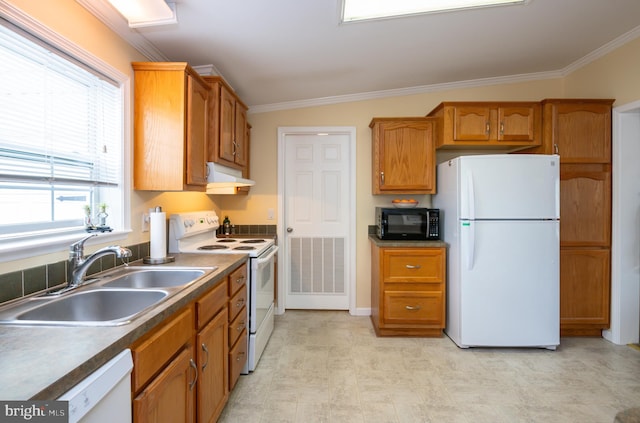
(237, 359)
(585, 205)
(171, 124)
(403, 156)
(408, 290)
(228, 142)
(584, 291)
(504, 125)
(578, 130)
(170, 397)
(152, 352)
(212, 358)
(238, 279)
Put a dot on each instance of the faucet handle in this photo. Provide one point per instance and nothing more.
(78, 246)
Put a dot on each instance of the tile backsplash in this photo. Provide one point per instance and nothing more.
(35, 279)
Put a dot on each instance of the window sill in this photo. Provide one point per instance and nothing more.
(15, 250)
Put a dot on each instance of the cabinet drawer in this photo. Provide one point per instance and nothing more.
(237, 326)
(152, 352)
(238, 279)
(414, 265)
(422, 308)
(237, 302)
(210, 303)
(237, 359)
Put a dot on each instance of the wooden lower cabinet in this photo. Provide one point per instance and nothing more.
(169, 398)
(184, 369)
(238, 341)
(213, 386)
(584, 291)
(408, 290)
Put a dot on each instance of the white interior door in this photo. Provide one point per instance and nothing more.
(317, 214)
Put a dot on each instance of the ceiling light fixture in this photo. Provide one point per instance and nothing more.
(141, 13)
(358, 10)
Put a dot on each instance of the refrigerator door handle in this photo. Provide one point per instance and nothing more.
(471, 199)
(471, 243)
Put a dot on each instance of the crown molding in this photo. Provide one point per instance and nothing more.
(103, 10)
(373, 95)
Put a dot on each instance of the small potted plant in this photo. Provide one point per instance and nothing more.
(102, 215)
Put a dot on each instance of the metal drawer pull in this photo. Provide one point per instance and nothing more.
(240, 326)
(412, 308)
(240, 302)
(487, 128)
(204, 348)
(195, 369)
(410, 266)
(240, 355)
(240, 280)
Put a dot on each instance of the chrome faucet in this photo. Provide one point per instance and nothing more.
(78, 265)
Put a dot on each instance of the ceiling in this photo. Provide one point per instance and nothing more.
(283, 52)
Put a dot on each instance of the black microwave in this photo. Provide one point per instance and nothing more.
(415, 224)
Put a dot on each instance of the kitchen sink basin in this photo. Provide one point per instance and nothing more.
(154, 278)
(96, 307)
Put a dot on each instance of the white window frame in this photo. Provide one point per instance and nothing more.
(25, 248)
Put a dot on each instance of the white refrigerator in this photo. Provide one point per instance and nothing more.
(501, 222)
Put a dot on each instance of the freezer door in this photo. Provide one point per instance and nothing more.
(509, 283)
(509, 186)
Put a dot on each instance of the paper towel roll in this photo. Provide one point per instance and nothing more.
(158, 235)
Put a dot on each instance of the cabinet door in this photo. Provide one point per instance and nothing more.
(585, 205)
(404, 153)
(227, 125)
(213, 382)
(471, 123)
(409, 307)
(240, 132)
(581, 131)
(197, 128)
(516, 124)
(584, 288)
(169, 398)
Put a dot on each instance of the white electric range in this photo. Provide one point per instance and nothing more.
(195, 232)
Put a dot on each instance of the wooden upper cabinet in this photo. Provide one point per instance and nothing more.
(171, 124)
(585, 205)
(487, 124)
(228, 143)
(579, 130)
(403, 156)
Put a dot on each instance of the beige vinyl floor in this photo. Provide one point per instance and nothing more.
(328, 366)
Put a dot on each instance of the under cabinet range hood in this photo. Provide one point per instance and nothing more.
(224, 180)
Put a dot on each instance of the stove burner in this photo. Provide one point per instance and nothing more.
(245, 247)
(213, 247)
(227, 240)
(252, 241)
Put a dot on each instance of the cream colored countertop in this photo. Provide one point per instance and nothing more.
(43, 362)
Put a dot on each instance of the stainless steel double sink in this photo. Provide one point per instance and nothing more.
(115, 298)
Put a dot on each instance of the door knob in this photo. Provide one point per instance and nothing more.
(289, 230)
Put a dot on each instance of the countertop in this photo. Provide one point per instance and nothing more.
(43, 362)
(408, 244)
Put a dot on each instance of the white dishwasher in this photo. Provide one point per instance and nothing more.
(105, 395)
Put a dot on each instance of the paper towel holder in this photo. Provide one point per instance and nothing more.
(158, 260)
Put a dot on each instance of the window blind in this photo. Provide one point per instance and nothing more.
(60, 131)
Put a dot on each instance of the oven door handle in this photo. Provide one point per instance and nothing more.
(272, 252)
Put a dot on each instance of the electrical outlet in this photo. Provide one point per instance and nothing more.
(270, 214)
(145, 222)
